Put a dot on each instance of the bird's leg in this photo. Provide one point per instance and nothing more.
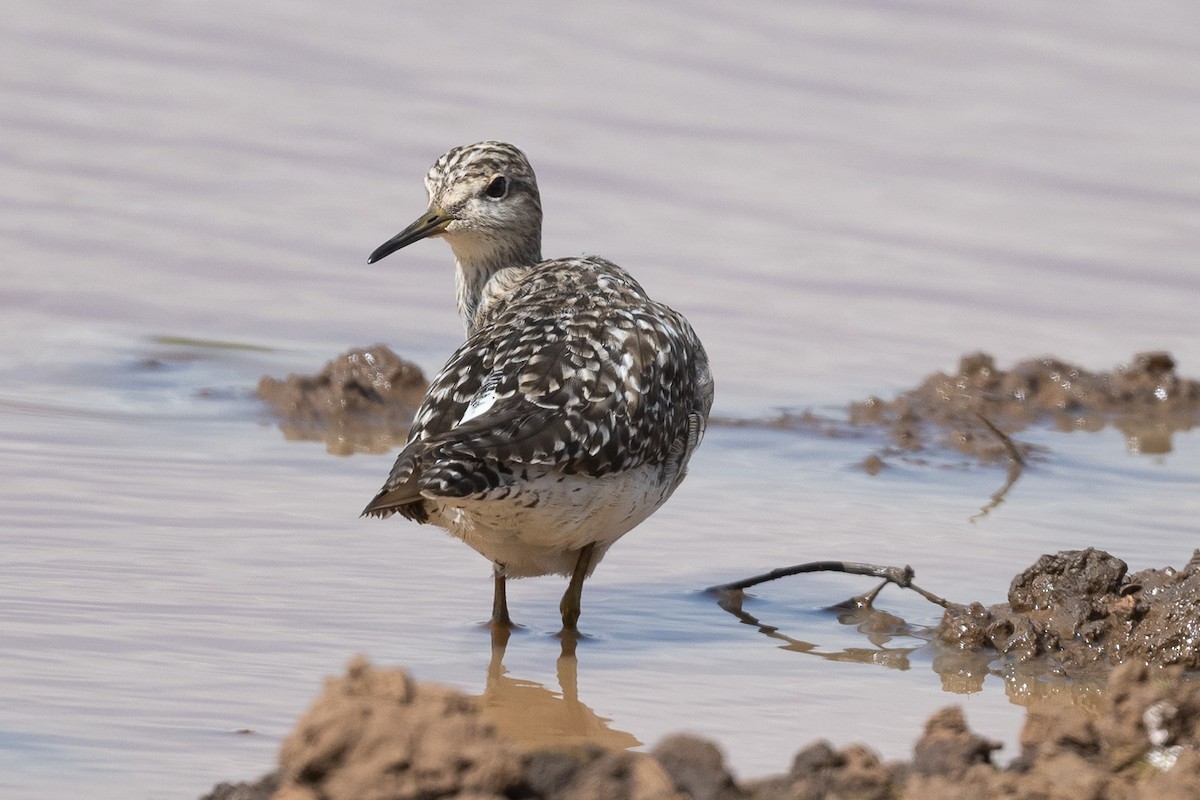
(570, 602)
(500, 618)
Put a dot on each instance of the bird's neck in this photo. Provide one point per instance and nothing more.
(477, 265)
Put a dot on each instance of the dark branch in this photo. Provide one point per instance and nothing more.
(901, 576)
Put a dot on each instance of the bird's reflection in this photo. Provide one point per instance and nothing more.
(537, 717)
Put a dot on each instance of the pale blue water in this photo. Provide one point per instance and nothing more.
(842, 199)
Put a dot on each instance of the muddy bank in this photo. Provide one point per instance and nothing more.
(1076, 615)
(1146, 399)
(377, 733)
(976, 410)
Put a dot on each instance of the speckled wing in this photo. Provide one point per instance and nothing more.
(577, 370)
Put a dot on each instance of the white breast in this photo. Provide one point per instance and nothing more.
(539, 529)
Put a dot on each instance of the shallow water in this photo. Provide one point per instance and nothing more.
(841, 200)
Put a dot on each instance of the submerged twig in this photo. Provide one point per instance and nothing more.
(868, 600)
(1013, 452)
(901, 576)
(1016, 464)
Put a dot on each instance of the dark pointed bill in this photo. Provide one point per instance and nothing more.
(431, 223)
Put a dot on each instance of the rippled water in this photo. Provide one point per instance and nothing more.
(842, 199)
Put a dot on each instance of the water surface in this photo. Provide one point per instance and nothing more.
(840, 199)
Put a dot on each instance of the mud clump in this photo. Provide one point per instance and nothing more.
(1125, 750)
(1080, 608)
(361, 401)
(1145, 399)
(975, 410)
(820, 771)
(377, 734)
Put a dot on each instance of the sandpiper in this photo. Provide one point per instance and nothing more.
(570, 412)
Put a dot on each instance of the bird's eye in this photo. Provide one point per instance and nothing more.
(497, 188)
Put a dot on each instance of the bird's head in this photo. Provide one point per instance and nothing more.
(483, 199)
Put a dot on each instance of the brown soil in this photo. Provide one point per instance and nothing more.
(377, 733)
(1080, 609)
(974, 411)
(362, 401)
(1145, 399)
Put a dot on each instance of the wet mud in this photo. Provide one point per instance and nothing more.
(971, 410)
(976, 410)
(377, 733)
(361, 401)
(1081, 609)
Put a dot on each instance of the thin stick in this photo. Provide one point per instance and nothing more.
(901, 576)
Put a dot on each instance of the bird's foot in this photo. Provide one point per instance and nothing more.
(500, 634)
(569, 639)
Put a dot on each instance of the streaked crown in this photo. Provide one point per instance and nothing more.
(487, 187)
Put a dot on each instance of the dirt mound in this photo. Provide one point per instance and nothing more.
(1144, 741)
(1145, 399)
(379, 734)
(1080, 607)
(361, 401)
(376, 734)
